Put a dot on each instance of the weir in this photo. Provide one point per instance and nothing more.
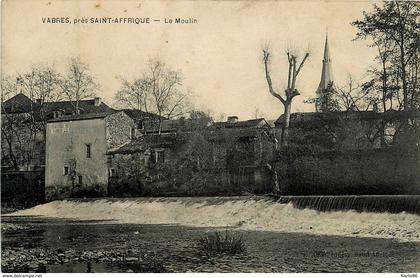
(359, 203)
(257, 213)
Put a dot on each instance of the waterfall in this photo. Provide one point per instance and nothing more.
(312, 215)
(361, 203)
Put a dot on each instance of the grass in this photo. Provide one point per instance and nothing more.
(227, 242)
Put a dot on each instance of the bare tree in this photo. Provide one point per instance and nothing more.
(133, 94)
(78, 83)
(291, 91)
(158, 91)
(351, 97)
(258, 113)
(9, 87)
(22, 130)
(41, 85)
(165, 90)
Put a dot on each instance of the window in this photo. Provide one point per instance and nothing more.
(157, 156)
(57, 114)
(112, 172)
(160, 156)
(80, 180)
(153, 156)
(88, 151)
(66, 170)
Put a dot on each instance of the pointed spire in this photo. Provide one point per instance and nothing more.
(326, 74)
(326, 85)
(326, 49)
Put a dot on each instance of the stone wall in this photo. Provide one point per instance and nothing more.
(118, 129)
(378, 171)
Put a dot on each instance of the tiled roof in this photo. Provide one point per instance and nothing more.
(134, 146)
(85, 107)
(241, 124)
(155, 141)
(21, 104)
(234, 134)
(80, 117)
(166, 126)
(18, 104)
(138, 115)
(172, 139)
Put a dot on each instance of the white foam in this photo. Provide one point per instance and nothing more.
(262, 214)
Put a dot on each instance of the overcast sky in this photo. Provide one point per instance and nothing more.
(220, 56)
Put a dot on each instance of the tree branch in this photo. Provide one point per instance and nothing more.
(268, 78)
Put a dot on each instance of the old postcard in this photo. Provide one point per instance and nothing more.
(210, 136)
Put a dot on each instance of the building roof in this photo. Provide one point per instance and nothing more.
(224, 131)
(185, 125)
(149, 141)
(22, 104)
(85, 106)
(254, 123)
(138, 115)
(79, 117)
(134, 146)
(231, 134)
(249, 130)
(170, 126)
(18, 104)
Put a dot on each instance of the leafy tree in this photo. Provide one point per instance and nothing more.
(394, 30)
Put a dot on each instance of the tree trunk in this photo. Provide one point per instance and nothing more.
(286, 123)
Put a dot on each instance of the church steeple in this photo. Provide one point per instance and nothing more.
(326, 85)
(326, 74)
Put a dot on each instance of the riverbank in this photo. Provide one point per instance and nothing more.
(58, 245)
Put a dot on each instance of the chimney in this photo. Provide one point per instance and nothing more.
(232, 119)
(97, 101)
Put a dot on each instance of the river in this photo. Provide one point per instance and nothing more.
(161, 235)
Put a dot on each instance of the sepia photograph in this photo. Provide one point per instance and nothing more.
(210, 136)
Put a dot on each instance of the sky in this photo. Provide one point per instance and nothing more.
(220, 56)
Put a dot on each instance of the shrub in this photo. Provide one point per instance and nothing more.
(222, 243)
